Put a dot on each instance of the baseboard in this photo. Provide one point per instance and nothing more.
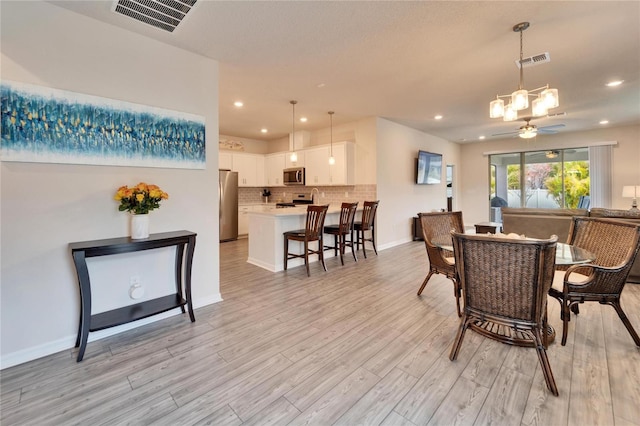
(69, 342)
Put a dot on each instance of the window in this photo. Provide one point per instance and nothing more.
(540, 179)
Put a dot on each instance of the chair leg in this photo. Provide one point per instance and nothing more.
(286, 252)
(306, 256)
(342, 239)
(626, 322)
(566, 315)
(361, 238)
(424, 283)
(321, 254)
(335, 244)
(455, 349)
(353, 251)
(456, 293)
(373, 240)
(544, 361)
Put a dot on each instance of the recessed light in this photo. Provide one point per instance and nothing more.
(320, 85)
(264, 130)
(303, 119)
(438, 117)
(604, 122)
(238, 104)
(615, 83)
(481, 137)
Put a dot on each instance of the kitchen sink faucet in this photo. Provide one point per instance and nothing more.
(314, 198)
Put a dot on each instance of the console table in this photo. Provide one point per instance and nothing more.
(183, 240)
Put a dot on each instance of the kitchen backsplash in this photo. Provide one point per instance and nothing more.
(332, 194)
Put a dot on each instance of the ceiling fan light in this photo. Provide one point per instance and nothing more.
(551, 98)
(496, 108)
(551, 154)
(539, 107)
(528, 132)
(510, 113)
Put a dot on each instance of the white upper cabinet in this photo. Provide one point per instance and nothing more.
(320, 173)
(250, 168)
(274, 164)
(225, 160)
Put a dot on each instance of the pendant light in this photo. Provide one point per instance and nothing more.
(546, 97)
(332, 159)
(294, 156)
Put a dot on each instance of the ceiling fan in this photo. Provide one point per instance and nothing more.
(529, 130)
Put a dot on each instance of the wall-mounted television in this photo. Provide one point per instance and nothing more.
(429, 170)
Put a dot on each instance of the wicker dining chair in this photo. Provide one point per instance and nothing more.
(343, 229)
(436, 232)
(312, 232)
(505, 284)
(615, 245)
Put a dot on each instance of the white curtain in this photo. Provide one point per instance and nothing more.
(600, 175)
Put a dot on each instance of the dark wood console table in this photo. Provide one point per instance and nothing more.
(81, 250)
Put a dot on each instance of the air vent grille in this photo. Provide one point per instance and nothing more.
(163, 14)
(534, 60)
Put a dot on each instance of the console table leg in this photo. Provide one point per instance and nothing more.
(178, 271)
(85, 302)
(190, 249)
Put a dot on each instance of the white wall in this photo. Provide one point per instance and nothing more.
(474, 170)
(44, 207)
(400, 198)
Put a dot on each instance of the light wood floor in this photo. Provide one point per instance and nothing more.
(354, 345)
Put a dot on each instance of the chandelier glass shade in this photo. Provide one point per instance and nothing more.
(545, 97)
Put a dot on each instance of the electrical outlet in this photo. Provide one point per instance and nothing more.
(323, 195)
(346, 194)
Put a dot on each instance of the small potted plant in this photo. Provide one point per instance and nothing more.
(266, 194)
(139, 200)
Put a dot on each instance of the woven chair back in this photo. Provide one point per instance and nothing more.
(612, 241)
(437, 227)
(505, 279)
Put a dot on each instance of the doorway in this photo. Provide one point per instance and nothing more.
(449, 188)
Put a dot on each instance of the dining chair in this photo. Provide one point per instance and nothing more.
(505, 283)
(436, 232)
(367, 223)
(312, 232)
(615, 245)
(342, 230)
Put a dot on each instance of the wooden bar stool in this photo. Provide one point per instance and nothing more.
(367, 224)
(340, 231)
(312, 232)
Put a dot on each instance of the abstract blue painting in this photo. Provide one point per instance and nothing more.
(45, 125)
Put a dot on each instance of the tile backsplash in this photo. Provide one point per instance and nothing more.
(328, 194)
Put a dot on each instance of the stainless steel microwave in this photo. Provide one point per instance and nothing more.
(293, 176)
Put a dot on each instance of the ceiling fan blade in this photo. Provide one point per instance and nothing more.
(547, 131)
(553, 126)
(515, 132)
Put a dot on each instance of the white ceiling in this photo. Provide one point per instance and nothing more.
(406, 61)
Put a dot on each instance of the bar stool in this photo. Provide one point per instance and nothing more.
(340, 231)
(367, 224)
(312, 232)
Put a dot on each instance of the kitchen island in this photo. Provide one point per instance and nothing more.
(266, 243)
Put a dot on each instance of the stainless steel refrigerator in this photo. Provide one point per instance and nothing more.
(228, 193)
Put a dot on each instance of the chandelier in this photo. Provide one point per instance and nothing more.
(545, 97)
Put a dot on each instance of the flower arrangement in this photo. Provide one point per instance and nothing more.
(140, 199)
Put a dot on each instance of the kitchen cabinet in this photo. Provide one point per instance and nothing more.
(250, 168)
(321, 173)
(225, 161)
(301, 159)
(274, 164)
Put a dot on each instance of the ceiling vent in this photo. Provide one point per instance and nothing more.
(163, 14)
(534, 60)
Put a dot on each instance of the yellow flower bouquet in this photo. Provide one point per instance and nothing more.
(140, 199)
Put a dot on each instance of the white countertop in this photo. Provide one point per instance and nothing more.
(272, 210)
